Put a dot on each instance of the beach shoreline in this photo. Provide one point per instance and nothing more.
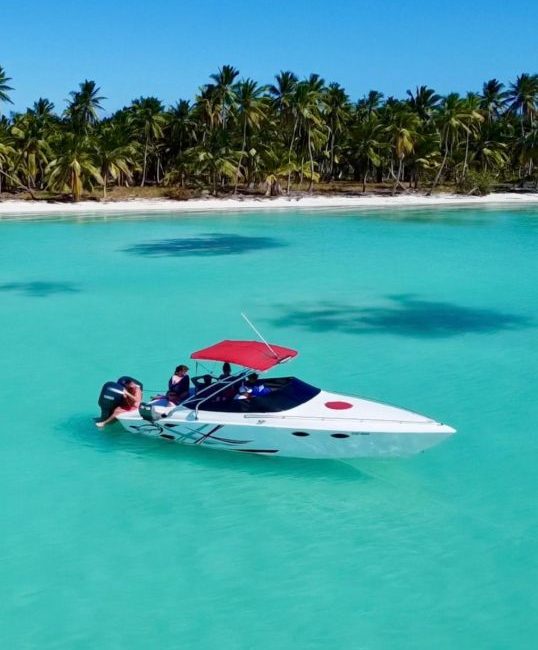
(21, 209)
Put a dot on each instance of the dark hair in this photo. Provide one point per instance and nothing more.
(226, 368)
(181, 369)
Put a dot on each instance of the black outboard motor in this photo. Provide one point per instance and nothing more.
(111, 395)
(149, 413)
(127, 380)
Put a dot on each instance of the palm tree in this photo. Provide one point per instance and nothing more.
(8, 158)
(473, 119)
(275, 166)
(181, 126)
(73, 168)
(369, 104)
(424, 102)
(307, 105)
(282, 94)
(528, 150)
(490, 154)
(224, 90)
(149, 120)
(251, 110)
(180, 134)
(282, 91)
(31, 133)
(215, 159)
(492, 99)
(4, 88)
(366, 146)
(83, 107)
(523, 98)
(402, 135)
(425, 156)
(113, 154)
(452, 119)
(7, 153)
(336, 115)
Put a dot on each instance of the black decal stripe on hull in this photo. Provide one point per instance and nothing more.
(231, 441)
(258, 451)
(207, 435)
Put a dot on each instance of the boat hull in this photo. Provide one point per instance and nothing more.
(304, 442)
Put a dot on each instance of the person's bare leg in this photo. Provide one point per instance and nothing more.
(103, 423)
(111, 418)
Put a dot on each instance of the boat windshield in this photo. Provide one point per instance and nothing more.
(284, 393)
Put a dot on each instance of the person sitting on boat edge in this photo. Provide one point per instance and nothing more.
(178, 385)
(132, 397)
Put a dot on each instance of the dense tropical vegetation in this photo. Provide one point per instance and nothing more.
(238, 135)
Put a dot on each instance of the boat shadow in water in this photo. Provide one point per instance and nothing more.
(39, 289)
(114, 439)
(407, 315)
(209, 244)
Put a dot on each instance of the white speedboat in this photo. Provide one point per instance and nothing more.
(287, 418)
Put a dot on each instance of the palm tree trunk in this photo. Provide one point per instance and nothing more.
(331, 158)
(311, 184)
(105, 179)
(18, 183)
(397, 181)
(466, 155)
(145, 164)
(242, 154)
(289, 155)
(438, 175)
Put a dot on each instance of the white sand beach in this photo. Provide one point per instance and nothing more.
(15, 209)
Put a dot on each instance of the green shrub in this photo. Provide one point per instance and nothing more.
(478, 182)
(178, 193)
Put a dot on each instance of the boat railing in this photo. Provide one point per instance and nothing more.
(322, 418)
(211, 392)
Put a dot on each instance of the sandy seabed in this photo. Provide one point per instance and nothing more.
(16, 209)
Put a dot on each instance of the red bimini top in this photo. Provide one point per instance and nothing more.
(249, 354)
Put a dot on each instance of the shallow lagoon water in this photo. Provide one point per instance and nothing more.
(113, 541)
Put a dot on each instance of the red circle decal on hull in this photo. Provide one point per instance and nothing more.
(338, 406)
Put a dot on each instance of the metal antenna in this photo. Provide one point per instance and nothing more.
(260, 336)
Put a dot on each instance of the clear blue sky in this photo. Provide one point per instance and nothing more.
(168, 48)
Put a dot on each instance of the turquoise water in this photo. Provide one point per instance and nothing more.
(113, 541)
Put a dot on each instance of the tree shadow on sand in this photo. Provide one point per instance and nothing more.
(209, 244)
(406, 316)
(39, 289)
